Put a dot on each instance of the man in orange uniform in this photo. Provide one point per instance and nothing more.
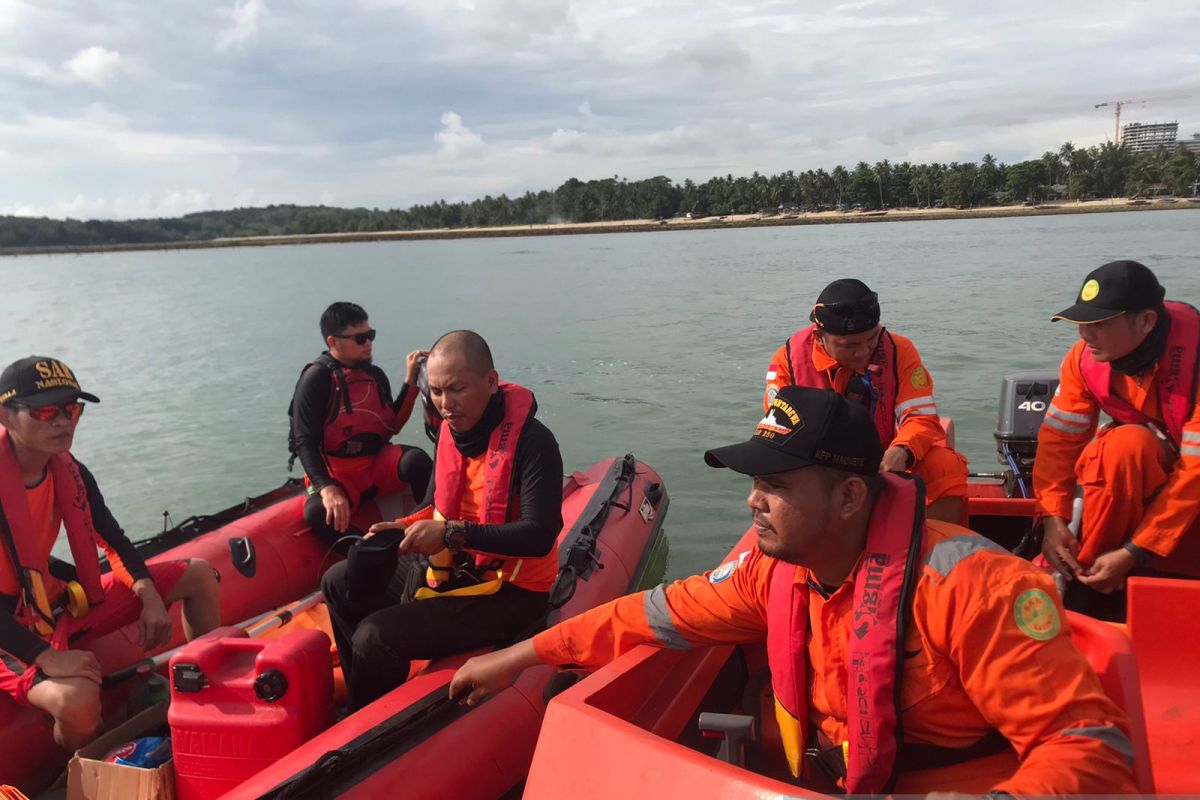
(851, 586)
(49, 610)
(1136, 360)
(847, 350)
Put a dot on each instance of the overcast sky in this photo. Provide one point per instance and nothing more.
(131, 108)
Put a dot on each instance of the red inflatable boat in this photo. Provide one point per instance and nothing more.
(611, 543)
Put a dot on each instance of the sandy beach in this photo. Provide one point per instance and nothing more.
(1114, 205)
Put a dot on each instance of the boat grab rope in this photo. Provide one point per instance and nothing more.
(578, 556)
(338, 770)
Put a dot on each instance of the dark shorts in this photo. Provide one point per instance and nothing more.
(121, 607)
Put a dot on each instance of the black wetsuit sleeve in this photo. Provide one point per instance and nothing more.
(310, 406)
(15, 639)
(540, 474)
(123, 557)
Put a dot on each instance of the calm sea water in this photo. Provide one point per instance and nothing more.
(651, 344)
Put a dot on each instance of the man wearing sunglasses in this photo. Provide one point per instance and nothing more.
(49, 609)
(343, 418)
(847, 350)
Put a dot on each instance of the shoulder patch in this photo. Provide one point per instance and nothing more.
(723, 572)
(919, 378)
(1036, 615)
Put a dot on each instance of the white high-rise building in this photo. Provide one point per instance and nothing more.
(1144, 137)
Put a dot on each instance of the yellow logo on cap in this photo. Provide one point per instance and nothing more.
(1090, 290)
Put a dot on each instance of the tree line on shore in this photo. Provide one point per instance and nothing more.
(1102, 171)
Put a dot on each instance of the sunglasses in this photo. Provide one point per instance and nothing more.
(72, 411)
(864, 303)
(359, 338)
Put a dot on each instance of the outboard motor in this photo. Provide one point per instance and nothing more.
(1024, 397)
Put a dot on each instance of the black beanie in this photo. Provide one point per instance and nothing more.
(846, 306)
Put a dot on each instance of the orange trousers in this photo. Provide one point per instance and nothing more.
(944, 472)
(1120, 472)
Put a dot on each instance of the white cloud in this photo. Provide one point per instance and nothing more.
(146, 204)
(337, 100)
(455, 139)
(245, 17)
(95, 65)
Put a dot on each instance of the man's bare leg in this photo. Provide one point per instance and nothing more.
(75, 705)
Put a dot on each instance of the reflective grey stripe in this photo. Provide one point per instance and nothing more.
(1111, 735)
(661, 624)
(1191, 436)
(1065, 427)
(946, 554)
(923, 411)
(1190, 450)
(1069, 416)
(927, 400)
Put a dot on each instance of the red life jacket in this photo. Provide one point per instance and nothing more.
(31, 566)
(1175, 378)
(361, 420)
(450, 485)
(883, 587)
(882, 372)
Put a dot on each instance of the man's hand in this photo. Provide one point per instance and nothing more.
(1107, 573)
(485, 675)
(68, 664)
(337, 508)
(1060, 547)
(154, 626)
(426, 537)
(895, 459)
(412, 365)
(380, 527)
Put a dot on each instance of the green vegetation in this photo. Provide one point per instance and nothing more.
(1103, 171)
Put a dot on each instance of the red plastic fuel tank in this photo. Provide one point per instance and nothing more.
(239, 704)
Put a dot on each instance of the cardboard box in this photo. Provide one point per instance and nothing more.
(89, 777)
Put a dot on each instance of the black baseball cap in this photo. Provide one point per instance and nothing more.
(806, 427)
(40, 381)
(1113, 289)
(846, 306)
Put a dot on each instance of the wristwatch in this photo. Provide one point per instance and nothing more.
(1140, 554)
(455, 535)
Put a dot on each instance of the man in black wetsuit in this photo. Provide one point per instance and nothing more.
(488, 529)
(50, 611)
(343, 419)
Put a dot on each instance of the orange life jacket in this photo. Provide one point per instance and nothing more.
(1175, 379)
(881, 372)
(19, 555)
(883, 587)
(497, 504)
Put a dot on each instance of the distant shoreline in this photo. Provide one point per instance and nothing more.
(632, 226)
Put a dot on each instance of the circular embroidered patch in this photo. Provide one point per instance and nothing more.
(1089, 290)
(919, 378)
(1036, 615)
(723, 572)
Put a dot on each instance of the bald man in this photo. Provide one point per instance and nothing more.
(473, 566)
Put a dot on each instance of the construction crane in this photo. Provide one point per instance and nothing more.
(1117, 107)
